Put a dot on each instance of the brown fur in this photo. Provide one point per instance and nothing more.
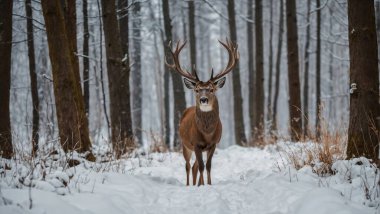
(200, 131)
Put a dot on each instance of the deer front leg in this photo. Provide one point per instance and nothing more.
(195, 172)
(201, 165)
(187, 156)
(210, 153)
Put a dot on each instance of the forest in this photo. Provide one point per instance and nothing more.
(124, 102)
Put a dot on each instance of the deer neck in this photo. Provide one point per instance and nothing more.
(207, 120)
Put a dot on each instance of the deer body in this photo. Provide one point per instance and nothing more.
(200, 127)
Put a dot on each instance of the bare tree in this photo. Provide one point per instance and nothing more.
(306, 75)
(318, 73)
(238, 101)
(278, 63)
(363, 131)
(193, 45)
(259, 83)
(86, 61)
(118, 76)
(136, 71)
(179, 93)
(293, 71)
(251, 68)
(270, 66)
(6, 149)
(72, 121)
(33, 76)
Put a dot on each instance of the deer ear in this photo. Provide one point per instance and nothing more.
(189, 84)
(220, 83)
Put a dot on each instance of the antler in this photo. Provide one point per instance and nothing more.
(233, 58)
(177, 66)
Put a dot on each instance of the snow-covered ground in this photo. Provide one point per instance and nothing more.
(245, 180)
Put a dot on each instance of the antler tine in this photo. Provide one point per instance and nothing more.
(233, 58)
(177, 66)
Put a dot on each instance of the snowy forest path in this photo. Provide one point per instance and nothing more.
(245, 180)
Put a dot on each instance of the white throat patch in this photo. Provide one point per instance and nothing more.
(205, 107)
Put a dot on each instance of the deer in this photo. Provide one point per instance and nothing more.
(200, 127)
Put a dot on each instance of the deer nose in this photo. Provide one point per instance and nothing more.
(203, 100)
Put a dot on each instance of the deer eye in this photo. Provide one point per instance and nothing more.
(196, 90)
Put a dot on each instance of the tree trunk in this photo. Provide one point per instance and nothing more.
(270, 80)
(318, 74)
(136, 72)
(72, 121)
(251, 68)
(259, 83)
(238, 101)
(293, 71)
(193, 45)
(33, 76)
(118, 77)
(179, 94)
(6, 7)
(122, 6)
(278, 64)
(86, 61)
(306, 76)
(363, 131)
(168, 29)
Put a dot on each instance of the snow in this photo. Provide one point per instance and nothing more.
(245, 180)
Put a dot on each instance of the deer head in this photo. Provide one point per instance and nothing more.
(205, 91)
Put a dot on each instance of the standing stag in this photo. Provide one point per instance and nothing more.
(200, 128)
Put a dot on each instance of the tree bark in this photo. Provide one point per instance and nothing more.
(86, 61)
(259, 83)
(118, 77)
(306, 75)
(179, 94)
(293, 71)
(238, 101)
(278, 64)
(193, 45)
(167, 27)
(136, 72)
(72, 121)
(6, 8)
(251, 69)
(33, 76)
(318, 74)
(270, 79)
(363, 131)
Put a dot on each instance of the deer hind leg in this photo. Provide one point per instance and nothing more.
(210, 153)
(187, 156)
(201, 165)
(195, 172)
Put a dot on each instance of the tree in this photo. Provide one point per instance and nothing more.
(251, 68)
(363, 131)
(118, 76)
(306, 75)
(193, 45)
(238, 101)
(136, 71)
(179, 93)
(270, 56)
(293, 71)
(33, 76)
(72, 121)
(278, 63)
(86, 61)
(6, 149)
(259, 83)
(318, 73)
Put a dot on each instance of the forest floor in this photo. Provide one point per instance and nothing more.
(245, 180)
